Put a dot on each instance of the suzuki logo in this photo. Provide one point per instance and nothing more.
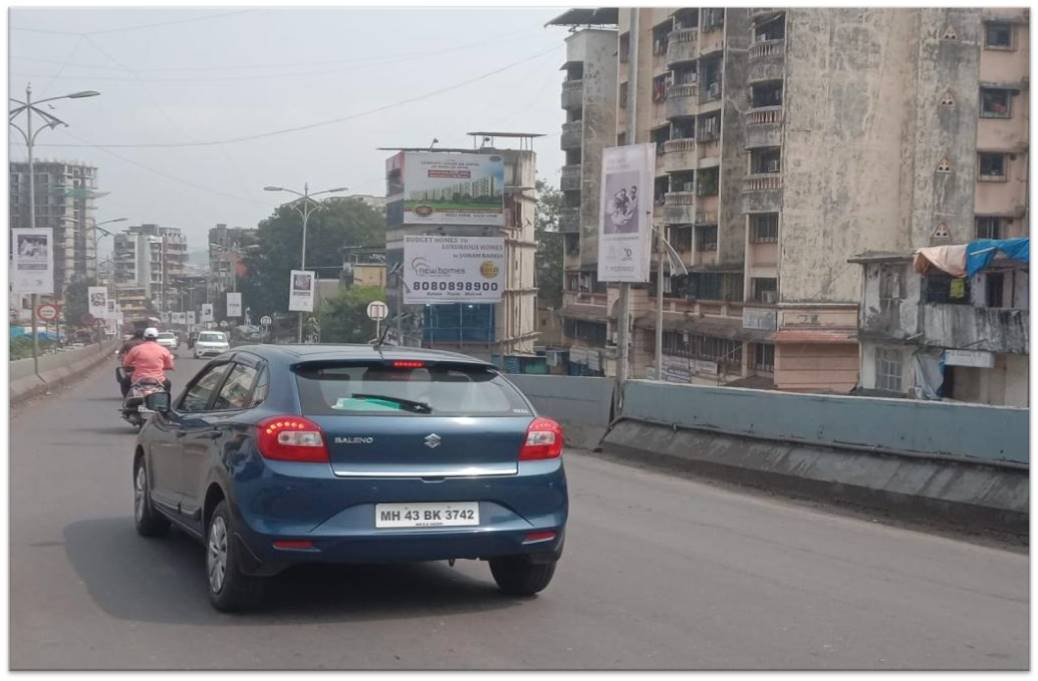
(432, 440)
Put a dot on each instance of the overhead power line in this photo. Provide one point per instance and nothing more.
(136, 27)
(317, 124)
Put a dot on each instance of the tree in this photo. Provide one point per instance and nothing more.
(76, 303)
(341, 222)
(344, 318)
(548, 259)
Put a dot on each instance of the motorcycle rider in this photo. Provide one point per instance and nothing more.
(149, 360)
(121, 375)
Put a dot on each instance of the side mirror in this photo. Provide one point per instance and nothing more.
(157, 402)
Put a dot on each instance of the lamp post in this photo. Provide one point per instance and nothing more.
(307, 206)
(51, 121)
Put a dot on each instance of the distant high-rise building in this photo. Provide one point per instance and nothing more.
(151, 257)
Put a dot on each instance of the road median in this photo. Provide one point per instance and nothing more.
(56, 370)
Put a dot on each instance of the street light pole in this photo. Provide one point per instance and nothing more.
(52, 121)
(309, 205)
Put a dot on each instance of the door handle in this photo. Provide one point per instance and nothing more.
(211, 434)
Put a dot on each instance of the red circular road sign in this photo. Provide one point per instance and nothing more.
(47, 312)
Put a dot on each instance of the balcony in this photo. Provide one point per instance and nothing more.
(766, 60)
(679, 208)
(705, 217)
(682, 45)
(679, 154)
(710, 92)
(569, 220)
(572, 135)
(681, 100)
(570, 180)
(977, 328)
(573, 94)
(762, 193)
(764, 127)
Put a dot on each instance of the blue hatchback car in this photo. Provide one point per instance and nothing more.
(276, 455)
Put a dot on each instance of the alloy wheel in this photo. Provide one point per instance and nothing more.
(140, 486)
(216, 555)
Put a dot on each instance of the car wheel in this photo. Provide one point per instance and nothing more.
(230, 589)
(519, 576)
(149, 522)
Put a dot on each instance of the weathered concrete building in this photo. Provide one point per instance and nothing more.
(790, 140)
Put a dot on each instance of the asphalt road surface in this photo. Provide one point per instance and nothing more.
(659, 572)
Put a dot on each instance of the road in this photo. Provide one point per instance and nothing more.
(660, 572)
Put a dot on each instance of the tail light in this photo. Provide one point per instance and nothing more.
(408, 364)
(543, 440)
(291, 438)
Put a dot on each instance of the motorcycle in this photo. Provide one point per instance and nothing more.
(122, 376)
(133, 409)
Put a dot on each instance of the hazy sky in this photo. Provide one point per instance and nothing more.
(191, 75)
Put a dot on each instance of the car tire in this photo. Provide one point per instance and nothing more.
(148, 521)
(519, 576)
(230, 590)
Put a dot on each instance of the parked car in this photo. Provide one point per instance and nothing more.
(168, 339)
(277, 455)
(211, 344)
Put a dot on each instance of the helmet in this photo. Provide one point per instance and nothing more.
(151, 332)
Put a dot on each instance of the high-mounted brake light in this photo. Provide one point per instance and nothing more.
(408, 364)
(543, 440)
(291, 438)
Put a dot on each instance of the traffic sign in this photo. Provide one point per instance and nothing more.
(47, 312)
(377, 310)
(265, 320)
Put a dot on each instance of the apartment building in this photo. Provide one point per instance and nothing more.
(151, 257)
(589, 95)
(789, 141)
(226, 249)
(480, 329)
(65, 193)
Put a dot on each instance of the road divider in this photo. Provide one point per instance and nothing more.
(56, 370)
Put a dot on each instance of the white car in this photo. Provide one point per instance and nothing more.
(211, 344)
(168, 340)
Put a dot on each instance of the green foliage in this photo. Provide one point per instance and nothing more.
(548, 258)
(21, 347)
(341, 222)
(76, 304)
(344, 318)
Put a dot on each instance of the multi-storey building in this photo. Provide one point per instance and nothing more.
(65, 194)
(790, 140)
(226, 247)
(151, 257)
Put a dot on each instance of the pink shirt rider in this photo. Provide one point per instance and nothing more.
(148, 360)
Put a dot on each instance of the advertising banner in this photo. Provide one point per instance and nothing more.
(191, 318)
(110, 312)
(625, 218)
(97, 301)
(301, 291)
(234, 304)
(443, 188)
(207, 312)
(453, 269)
(32, 267)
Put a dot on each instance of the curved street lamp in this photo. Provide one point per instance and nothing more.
(307, 206)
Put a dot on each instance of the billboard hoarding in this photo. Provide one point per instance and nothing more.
(301, 287)
(32, 266)
(441, 188)
(233, 304)
(453, 269)
(207, 312)
(625, 217)
(97, 301)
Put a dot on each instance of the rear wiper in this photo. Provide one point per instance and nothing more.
(408, 405)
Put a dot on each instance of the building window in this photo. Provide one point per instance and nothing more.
(998, 36)
(680, 238)
(992, 167)
(713, 17)
(764, 290)
(766, 94)
(888, 370)
(659, 88)
(709, 127)
(623, 95)
(715, 286)
(764, 357)
(994, 283)
(683, 128)
(625, 48)
(766, 160)
(660, 36)
(621, 139)
(995, 102)
(707, 185)
(764, 228)
(943, 289)
(706, 238)
(989, 227)
(593, 333)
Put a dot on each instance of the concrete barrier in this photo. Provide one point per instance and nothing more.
(582, 404)
(57, 369)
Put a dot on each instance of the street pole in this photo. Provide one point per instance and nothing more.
(32, 223)
(624, 316)
(306, 218)
(659, 304)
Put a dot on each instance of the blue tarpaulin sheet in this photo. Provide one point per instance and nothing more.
(980, 252)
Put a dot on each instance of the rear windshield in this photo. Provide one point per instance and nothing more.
(211, 337)
(376, 389)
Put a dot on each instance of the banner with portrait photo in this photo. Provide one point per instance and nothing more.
(207, 312)
(234, 304)
(97, 301)
(301, 291)
(625, 218)
(32, 265)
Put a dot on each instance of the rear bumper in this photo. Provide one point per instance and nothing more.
(510, 507)
(208, 352)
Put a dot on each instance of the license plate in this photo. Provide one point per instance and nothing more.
(440, 514)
